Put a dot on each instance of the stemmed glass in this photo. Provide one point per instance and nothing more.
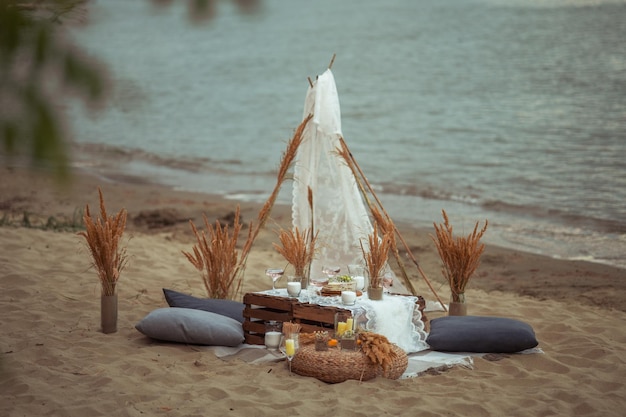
(289, 346)
(274, 274)
(331, 271)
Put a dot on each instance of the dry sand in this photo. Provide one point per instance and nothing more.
(55, 361)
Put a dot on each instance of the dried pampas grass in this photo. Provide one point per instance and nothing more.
(103, 237)
(375, 256)
(298, 248)
(217, 258)
(291, 328)
(460, 256)
(377, 349)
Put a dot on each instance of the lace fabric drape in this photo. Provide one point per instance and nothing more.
(339, 214)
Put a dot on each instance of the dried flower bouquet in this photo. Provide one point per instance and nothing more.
(298, 249)
(460, 255)
(375, 256)
(103, 237)
(217, 258)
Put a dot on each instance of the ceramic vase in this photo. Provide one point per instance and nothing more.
(375, 293)
(457, 306)
(108, 313)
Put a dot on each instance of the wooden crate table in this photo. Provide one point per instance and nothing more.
(262, 307)
(259, 308)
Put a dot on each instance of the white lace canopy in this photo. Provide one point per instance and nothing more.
(339, 212)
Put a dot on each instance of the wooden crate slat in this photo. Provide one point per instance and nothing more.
(265, 314)
(254, 339)
(310, 328)
(316, 313)
(254, 327)
(269, 301)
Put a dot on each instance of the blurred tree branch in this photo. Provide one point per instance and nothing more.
(40, 70)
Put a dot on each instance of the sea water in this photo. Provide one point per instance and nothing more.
(511, 111)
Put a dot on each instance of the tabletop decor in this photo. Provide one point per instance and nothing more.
(338, 284)
(374, 356)
(298, 249)
(103, 237)
(375, 256)
(460, 257)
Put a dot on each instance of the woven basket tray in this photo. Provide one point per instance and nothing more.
(335, 365)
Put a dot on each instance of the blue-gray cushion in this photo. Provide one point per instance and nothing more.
(229, 308)
(480, 334)
(186, 325)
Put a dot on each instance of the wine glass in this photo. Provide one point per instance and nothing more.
(289, 346)
(331, 271)
(274, 274)
(387, 283)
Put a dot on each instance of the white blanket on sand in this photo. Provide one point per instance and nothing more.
(419, 362)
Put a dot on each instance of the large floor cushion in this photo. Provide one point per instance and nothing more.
(186, 325)
(480, 334)
(229, 308)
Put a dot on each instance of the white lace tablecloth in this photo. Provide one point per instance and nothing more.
(395, 316)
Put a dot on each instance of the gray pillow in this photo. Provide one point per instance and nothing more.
(480, 334)
(185, 325)
(229, 308)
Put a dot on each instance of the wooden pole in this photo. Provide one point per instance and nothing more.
(406, 247)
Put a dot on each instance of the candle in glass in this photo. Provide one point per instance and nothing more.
(294, 288)
(341, 328)
(290, 347)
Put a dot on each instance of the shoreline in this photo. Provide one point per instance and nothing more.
(156, 209)
(55, 360)
(526, 229)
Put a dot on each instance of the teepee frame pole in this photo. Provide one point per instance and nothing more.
(406, 247)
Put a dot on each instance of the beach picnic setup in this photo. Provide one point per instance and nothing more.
(342, 312)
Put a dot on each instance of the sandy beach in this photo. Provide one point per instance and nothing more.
(55, 361)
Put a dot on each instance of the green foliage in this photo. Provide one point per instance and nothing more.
(39, 71)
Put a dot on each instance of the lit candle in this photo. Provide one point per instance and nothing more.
(350, 324)
(360, 283)
(293, 288)
(341, 328)
(272, 339)
(348, 297)
(290, 347)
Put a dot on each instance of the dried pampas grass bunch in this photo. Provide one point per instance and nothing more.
(375, 256)
(460, 256)
(378, 349)
(298, 248)
(217, 258)
(291, 328)
(103, 237)
(221, 265)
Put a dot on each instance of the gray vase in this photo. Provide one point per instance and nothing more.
(108, 313)
(375, 293)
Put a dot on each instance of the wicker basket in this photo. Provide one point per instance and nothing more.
(335, 365)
